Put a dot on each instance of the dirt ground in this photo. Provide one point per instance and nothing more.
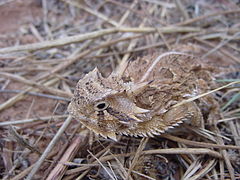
(40, 66)
(14, 18)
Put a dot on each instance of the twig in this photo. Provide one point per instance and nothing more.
(6, 1)
(155, 151)
(91, 11)
(36, 94)
(204, 94)
(224, 52)
(36, 85)
(61, 152)
(159, 32)
(7, 123)
(91, 35)
(182, 9)
(167, 151)
(58, 42)
(189, 21)
(59, 170)
(20, 96)
(136, 12)
(22, 141)
(137, 155)
(221, 44)
(23, 173)
(228, 119)
(203, 170)
(235, 132)
(166, 30)
(225, 156)
(49, 148)
(161, 3)
(110, 175)
(198, 144)
(45, 18)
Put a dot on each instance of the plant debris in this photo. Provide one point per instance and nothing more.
(47, 46)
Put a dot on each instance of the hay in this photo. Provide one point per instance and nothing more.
(38, 138)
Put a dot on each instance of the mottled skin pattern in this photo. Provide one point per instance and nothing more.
(138, 98)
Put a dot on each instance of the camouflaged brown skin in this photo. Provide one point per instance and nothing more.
(140, 99)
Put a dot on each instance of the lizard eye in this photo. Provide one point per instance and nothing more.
(100, 106)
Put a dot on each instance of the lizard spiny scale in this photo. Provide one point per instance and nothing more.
(138, 98)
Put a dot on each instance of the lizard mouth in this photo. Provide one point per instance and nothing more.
(87, 122)
(122, 117)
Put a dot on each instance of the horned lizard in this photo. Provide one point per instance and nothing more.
(138, 98)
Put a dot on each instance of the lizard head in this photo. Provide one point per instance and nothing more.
(105, 105)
